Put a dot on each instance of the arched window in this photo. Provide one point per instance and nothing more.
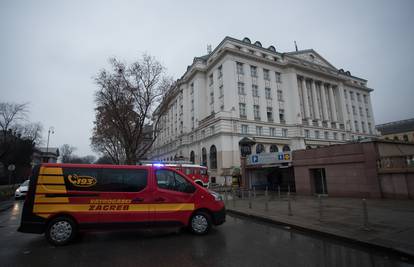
(286, 148)
(405, 137)
(260, 148)
(192, 157)
(308, 147)
(204, 156)
(273, 148)
(213, 157)
(396, 138)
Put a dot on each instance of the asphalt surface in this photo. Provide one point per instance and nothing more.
(238, 242)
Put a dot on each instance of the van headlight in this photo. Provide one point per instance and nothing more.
(17, 190)
(217, 196)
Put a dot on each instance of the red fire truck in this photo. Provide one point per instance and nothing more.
(198, 173)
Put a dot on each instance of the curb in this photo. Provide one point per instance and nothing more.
(407, 257)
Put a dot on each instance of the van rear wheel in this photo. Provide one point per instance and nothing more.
(200, 223)
(60, 231)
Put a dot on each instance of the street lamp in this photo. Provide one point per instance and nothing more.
(51, 131)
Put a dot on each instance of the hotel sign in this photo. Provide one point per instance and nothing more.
(269, 158)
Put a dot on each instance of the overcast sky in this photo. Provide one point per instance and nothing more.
(51, 50)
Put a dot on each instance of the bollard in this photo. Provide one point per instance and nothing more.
(254, 192)
(278, 190)
(234, 198)
(320, 208)
(266, 200)
(250, 199)
(289, 206)
(365, 211)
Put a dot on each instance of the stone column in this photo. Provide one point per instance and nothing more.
(364, 116)
(333, 105)
(351, 113)
(315, 101)
(342, 104)
(305, 99)
(323, 101)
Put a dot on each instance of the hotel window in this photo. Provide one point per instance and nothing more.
(242, 108)
(255, 90)
(369, 128)
(364, 130)
(359, 97)
(335, 136)
(259, 130)
(272, 131)
(244, 129)
(253, 71)
(282, 115)
(192, 88)
(307, 134)
(220, 71)
(278, 78)
(351, 94)
(266, 75)
(343, 137)
(221, 91)
(256, 112)
(273, 148)
(284, 132)
(260, 148)
(360, 112)
(326, 134)
(269, 114)
(240, 87)
(279, 95)
(356, 126)
(347, 109)
(267, 93)
(211, 80)
(365, 99)
(367, 111)
(317, 135)
(345, 94)
(240, 68)
(354, 110)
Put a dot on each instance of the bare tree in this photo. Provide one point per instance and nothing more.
(11, 114)
(66, 153)
(126, 100)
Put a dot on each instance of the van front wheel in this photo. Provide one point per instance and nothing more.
(200, 223)
(60, 231)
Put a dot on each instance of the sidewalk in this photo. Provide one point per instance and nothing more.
(390, 222)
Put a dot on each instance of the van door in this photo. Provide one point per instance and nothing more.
(173, 198)
(116, 196)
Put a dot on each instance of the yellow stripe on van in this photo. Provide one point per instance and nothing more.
(43, 215)
(50, 189)
(173, 207)
(50, 180)
(51, 170)
(43, 199)
(52, 208)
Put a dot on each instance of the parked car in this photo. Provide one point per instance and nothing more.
(21, 191)
(65, 198)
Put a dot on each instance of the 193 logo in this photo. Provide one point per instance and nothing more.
(81, 181)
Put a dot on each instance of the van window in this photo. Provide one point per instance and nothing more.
(203, 171)
(170, 180)
(106, 180)
(188, 171)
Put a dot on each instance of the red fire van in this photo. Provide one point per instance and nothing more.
(65, 198)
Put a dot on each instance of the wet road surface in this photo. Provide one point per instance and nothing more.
(239, 242)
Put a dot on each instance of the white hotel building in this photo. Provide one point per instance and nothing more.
(282, 101)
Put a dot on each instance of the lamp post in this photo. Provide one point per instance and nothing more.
(51, 131)
(245, 150)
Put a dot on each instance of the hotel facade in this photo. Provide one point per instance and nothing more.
(281, 101)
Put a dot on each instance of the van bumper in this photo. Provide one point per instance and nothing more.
(219, 217)
(32, 227)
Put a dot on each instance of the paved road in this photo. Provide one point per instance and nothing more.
(239, 242)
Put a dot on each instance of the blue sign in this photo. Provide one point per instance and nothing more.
(255, 159)
(280, 156)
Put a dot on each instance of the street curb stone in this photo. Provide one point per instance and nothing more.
(397, 252)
